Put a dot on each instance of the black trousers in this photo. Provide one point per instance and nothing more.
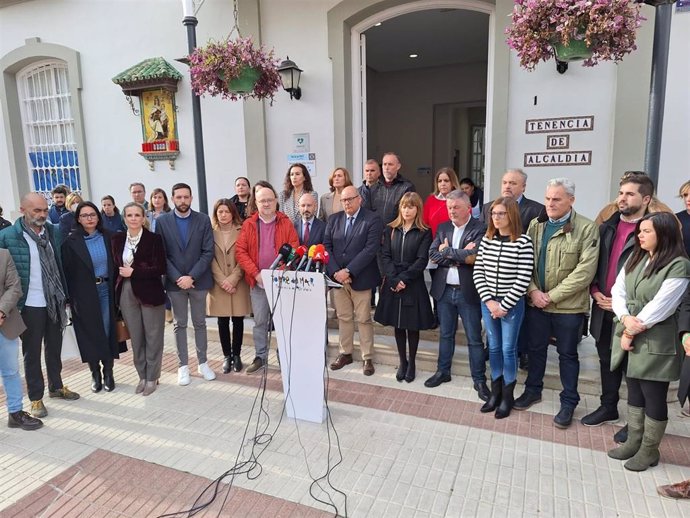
(231, 348)
(40, 329)
(610, 380)
(650, 395)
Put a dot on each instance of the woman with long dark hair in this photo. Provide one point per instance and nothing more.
(404, 300)
(645, 296)
(228, 299)
(90, 273)
(502, 273)
(297, 182)
(140, 257)
(475, 194)
(111, 215)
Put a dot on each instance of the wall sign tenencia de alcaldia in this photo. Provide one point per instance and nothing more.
(557, 131)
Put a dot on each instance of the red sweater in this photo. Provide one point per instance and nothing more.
(247, 247)
(435, 213)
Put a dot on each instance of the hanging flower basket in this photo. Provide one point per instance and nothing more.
(234, 69)
(607, 28)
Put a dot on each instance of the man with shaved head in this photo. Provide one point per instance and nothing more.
(34, 244)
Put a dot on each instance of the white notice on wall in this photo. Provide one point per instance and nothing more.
(306, 159)
(300, 142)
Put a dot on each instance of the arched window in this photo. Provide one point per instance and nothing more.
(48, 126)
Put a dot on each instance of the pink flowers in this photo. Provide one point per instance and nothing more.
(608, 27)
(214, 65)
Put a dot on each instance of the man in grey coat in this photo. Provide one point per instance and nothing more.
(188, 239)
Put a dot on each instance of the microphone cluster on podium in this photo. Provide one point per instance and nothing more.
(315, 258)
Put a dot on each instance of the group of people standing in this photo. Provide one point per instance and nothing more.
(527, 270)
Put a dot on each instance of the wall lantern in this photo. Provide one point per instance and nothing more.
(289, 76)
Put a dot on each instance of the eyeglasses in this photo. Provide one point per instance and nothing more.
(265, 202)
(88, 216)
(499, 215)
(348, 200)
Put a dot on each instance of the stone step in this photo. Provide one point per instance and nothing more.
(386, 356)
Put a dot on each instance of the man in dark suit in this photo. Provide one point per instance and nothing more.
(454, 250)
(188, 242)
(353, 238)
(310, 229)
(513, 185)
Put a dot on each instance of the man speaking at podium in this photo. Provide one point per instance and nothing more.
(353, 238)
(262, 235)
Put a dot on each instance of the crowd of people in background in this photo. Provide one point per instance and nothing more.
(534, 274)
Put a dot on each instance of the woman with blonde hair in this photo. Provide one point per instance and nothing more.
(404, 300)
(330, 202)
(229, 297)
(140, 257)
(435, 211)
(68, 222)
(502, 273)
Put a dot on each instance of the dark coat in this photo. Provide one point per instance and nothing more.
(404, 258)
(474, 231)
(684, 327)
(4, 223)
(358, 251)
(384, 199)
(607, 233)
(529, 209)
(93, 343)
(316, 232)
(67, 224)
(148, 266)
(194, 259)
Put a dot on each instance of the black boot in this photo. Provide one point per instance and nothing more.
(237, 363)
(411, 373)
(108, 377)
(402, 370)
(96, 379)
(495, 398)
(227, 364)
(507, 401)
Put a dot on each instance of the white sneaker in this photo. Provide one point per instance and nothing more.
(183, 375)
(206, 372)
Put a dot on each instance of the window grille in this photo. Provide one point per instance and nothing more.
(48, 125)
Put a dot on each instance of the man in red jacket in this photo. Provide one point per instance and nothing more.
(261, 237)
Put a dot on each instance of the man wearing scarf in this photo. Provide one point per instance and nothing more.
(34, 243)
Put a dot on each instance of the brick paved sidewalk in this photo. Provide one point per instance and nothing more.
(406, 451)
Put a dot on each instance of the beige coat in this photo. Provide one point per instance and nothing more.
(220, 303)
(10, 293)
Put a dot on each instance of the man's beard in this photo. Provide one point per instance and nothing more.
(307, 215)
(629, 210)
(182, 208)
(38, 221)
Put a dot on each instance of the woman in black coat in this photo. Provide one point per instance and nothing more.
(404, 300)
(90, 274)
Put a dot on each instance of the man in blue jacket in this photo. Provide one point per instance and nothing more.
(34, 244)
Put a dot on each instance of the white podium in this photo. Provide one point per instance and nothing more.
(300, 317)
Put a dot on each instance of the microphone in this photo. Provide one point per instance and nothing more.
(283, 252)
(312, 251)
(304, 258)
(297, 256)
(318, 259)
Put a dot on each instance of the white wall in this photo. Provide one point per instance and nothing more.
(580, 91)
(674, 168)
(111, 37)
(298, 28)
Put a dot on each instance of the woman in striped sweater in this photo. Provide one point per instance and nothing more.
(502, 273)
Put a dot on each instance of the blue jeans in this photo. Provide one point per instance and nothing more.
(9, 370)
(452, 304)
(502, 334)
(567, 330)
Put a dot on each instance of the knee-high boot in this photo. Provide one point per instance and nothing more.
(648, 454)
(635, 431)
(96, 379)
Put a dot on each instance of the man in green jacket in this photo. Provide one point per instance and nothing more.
(566, 251)
(34, 244)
